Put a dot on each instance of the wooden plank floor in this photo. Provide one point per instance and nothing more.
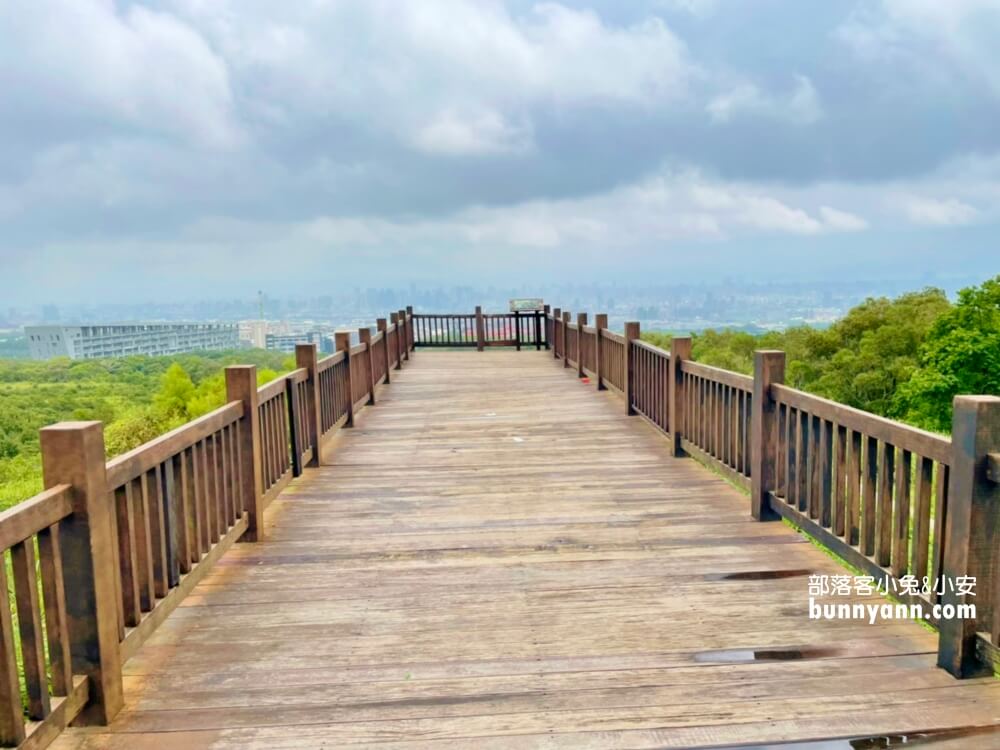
(497, 557)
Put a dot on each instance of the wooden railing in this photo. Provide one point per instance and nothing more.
(481, 330)
(715, 417)
(54, 691)
(101, 557)
(900, 504)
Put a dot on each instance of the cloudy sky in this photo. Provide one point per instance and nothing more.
(209, 147)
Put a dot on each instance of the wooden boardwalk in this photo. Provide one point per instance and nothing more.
(497, 557)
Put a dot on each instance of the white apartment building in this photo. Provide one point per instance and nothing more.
(100, 341)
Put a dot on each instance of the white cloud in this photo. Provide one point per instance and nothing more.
(662, 209)
(940, 39)
(800, 106)
(483, 132)
(937, 212)
(448, 77)
(71, 59)
(841, 220)
(697, 8)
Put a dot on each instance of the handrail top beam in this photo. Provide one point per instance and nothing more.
(22, 521)
(128, 466)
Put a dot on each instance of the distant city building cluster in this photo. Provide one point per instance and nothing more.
(282, 335)
(102, 341)
(278, 324)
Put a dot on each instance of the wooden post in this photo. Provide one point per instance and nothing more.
(680, 349)
(545, 316)
(404, 341)
(971, 529)
(480, 329)
(768, 367)
(73, 453)
(307, 356)
(565, 328)
(241, 385)
(365, 337)
(517, 330)
(343, 342)
(631, 333)
(394, 319)
(581, 321)
(600, 324)
(538, 330)
(556, 328)
(409, 328)
(381, 325)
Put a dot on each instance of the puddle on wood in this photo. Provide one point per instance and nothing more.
(876, 742)
(757, 575)
(747, 655)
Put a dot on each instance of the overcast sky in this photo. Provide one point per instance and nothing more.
(189, 148)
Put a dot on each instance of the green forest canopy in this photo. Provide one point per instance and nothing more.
(903, 358)
(137, 398)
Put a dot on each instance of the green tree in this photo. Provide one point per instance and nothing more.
(960, 356)
(176, 390)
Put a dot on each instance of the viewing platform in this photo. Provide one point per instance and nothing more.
(409, 547)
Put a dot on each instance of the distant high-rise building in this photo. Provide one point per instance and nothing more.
(100, 341)
(285, 342)
(253, 333)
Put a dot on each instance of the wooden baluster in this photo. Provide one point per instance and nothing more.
(922, 518)
(29, 621)
(403, 337)
(824, 462)
(480, 330)
(581, 321)
(56, 623)
(11, 718)
(182, 512)
(143, 550)
(381, 325)
(157, 530)
(73, 453)
(365, 336)
(545, 319)
(565, 337)
(168, 503)
(600, 324)
(840, 486)
(295, 426)
(972, 521)
(886, 474)
(901, 515)
(343, 341)
(307, 356)
(631, 334)
(241, 385)
(768, 368)
(195, 473)
(409, 329)
(558, 347)
(394, 319)
(853, 528)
